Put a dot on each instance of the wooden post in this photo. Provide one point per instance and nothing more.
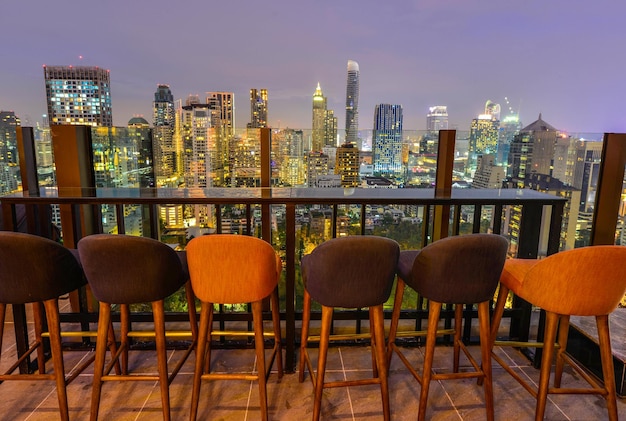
(443, 182)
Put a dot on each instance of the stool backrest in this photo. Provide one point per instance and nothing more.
(353, 272)
(230, 269)
(585, 281)
(463, 269)
(124, 269)
(34, 268)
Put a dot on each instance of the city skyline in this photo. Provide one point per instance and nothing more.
(555, 58)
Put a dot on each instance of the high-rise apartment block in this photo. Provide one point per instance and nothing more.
(532, 151)
(437, 118)
(258, 108)
(78, 95)
(9, 170)
(387, 140)
(483, 138)
(352, 103)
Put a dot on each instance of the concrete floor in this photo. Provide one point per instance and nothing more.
(291, 400)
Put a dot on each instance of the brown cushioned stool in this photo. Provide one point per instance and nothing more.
(234, 269)
(348, 272)
(123, 269)
(588, 281)
(460, 270)
(36, 270)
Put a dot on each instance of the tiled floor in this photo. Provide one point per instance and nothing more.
(291, 400)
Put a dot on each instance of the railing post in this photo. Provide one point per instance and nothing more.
(266, 177)
(74, 171)
(609, 191)
(443, 182)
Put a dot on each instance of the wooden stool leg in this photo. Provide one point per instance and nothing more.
(552, 320)
(378, 331)
(158, 313)
(498, 312)
(373, 340)
(327, 318)
(54, 327)
(431, 338)
(104, 319)
(395, 318)
(277, 336)
(485, 352)
(191, 310)
(562, 341)
(38, 319)
(602, 322)
(124, 341)
(458, 326)
(306, 317)
(3, 312)
(205, 318)
(259, 345)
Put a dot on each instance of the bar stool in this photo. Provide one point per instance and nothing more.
(233, 269)
(37, 270)
(588, 281)
(123, 269)
(457, 270)
(348, 272)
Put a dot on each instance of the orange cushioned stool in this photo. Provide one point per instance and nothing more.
(233, 269)
(589, 281)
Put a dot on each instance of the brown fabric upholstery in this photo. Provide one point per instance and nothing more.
(124, 269)
(462, 269)
(34, 268)
(405, 263)
(587, 281)
(352, 272)
(231, 269)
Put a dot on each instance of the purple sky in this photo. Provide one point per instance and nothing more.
(563, 58)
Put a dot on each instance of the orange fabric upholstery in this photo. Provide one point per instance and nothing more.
(227, 280)
(587, 281)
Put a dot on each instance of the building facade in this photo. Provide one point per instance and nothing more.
(258, 108)
(352, 104)
(387, 140)
(78, 95)
(165, 148)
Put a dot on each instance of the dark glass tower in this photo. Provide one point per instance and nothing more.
(387, 140)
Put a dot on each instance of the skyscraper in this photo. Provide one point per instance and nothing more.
(437, 118)
(9, 171)
(164, 119)
(78, 95)
(258, 108)
(347, 165)
(324, 133)
(387, 140)
(352, 103)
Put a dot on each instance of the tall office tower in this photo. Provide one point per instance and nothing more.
(316, 166)
(9, 170)
(347, 165)
(164, 124)
(532, 151)
(141, 137)
(437, 118)
(492, 109)
(387, 140)
(258, 108)
(324, 133)
(483, 139)
(509, 127)
(319, 120)
(78, 95)
(222, 106)
(352, 104)
(586, 171)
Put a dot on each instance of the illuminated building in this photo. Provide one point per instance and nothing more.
(352, 103)
(324, 133)
(78, 95)
(258, 108)
(387, 140)
(9, 168)
(165, 148)
(437, 118)
(316, 167)
(483, 138)
(348, 164)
